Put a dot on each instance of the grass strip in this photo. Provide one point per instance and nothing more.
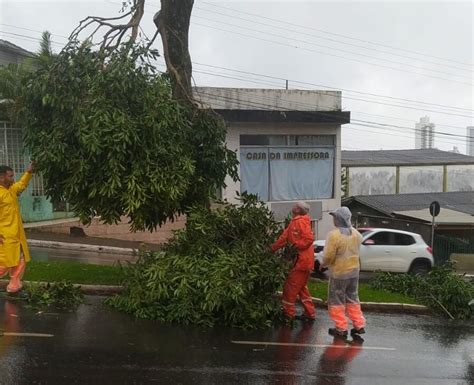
(366, 294)
(75, 272)
(82, 273)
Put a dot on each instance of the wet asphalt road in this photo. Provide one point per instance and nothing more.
(97, 345)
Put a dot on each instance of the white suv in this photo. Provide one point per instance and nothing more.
(390, 250)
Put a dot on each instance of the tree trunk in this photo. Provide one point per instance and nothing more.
(173, 22)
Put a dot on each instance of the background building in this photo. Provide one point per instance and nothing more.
(424, 134)
(407, 171)
(12, 54)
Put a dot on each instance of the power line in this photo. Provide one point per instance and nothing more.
(306, 106)
(331, 48)
(223, 99)
(24, 37)
(331, 54)
(332, 39)
(336, 34)
(312, 106)
(403, 119)
(318, 85)
(325, 53)
(376, 123)
(339, 89)
(226, 76)
(411, 128)
(32, 30)
(362, 123)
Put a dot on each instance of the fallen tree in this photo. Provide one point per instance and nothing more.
(218, 270)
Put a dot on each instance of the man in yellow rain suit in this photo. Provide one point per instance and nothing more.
(14, 252)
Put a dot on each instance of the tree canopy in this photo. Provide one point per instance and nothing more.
(113, 136)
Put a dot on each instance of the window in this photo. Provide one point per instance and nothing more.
(382, 238)
(287, 140)
(263, 140)
(404, 239)
(315, 140)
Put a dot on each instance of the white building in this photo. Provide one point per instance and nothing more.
(424, 133)
(288, 143)
(470, 141)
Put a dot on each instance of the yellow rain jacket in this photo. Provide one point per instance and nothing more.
(341, 254)
(11, 225)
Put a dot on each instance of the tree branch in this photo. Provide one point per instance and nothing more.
(172, 21)
(116, 32)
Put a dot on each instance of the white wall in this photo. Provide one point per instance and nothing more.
(372, 180)
(268, 99)
(460, 177)
(421, 179)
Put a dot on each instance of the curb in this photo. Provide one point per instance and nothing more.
(81, 247)
(405, 308)
(109, 290)
(383, 307)
(105, 290)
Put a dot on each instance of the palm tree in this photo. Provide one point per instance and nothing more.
(45, 53)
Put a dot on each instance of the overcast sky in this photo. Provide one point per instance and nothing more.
(422, 51)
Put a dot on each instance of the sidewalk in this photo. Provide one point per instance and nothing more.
(46, 239)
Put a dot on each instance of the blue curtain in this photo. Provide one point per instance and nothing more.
(254, 171)
(293, 179)
(277, 174)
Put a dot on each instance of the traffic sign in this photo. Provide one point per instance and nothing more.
(435, 208)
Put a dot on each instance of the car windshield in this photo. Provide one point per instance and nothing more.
(363, 231)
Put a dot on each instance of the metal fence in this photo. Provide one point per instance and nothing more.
(445, 246)
(12, 153)
(34, 205)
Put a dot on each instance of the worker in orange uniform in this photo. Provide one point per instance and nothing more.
(299, 235)
(341, 256)
(14, 253)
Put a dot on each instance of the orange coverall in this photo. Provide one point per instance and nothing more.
(299, 234)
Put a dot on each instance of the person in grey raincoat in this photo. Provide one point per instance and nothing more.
(341, 256)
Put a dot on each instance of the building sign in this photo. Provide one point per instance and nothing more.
(288, 155)
(286, 174)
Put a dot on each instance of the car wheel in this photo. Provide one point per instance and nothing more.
(420, 268)
(318, 273)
